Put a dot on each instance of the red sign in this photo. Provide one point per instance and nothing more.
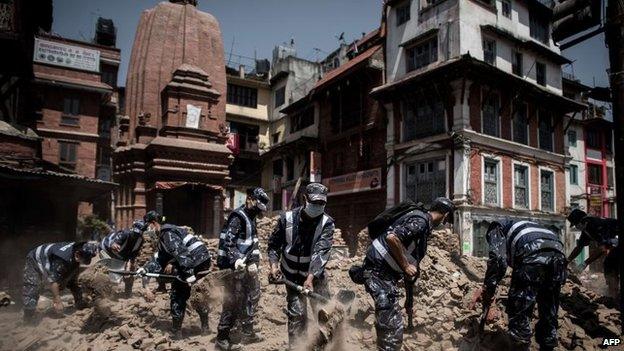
(233, 143)
(354, 182)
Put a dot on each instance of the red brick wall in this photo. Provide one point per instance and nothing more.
(476, 168)
(52, 110)
(507, 181)
(85, 155)
(17, 147)
(558, 137)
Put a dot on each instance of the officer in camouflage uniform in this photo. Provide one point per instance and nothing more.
(539, 270)
(299, 249)
(123, 247)
(394, 254)
(183, 254)
(56, 266)
(238, 249)
(604, 233)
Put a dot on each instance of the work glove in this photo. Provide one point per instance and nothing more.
(240, 264)
(141, 271)
(191, 279)
(252, 269)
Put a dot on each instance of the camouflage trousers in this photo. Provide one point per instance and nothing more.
(297, 308)
(32, 285)
(179, 295)
(240, 302)
(388, 315)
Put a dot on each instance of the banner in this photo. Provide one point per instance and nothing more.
(58, 54)
(354, 182)
(192, 116)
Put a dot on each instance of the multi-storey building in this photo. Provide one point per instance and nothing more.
(473, 94)
(247, 114)
(75, 102)
(352, 133)
(39, 198)
(293, 129)
(589, 146)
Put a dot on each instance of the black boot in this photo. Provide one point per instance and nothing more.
(203, 317)
(128, 288)
(223, 342)
(249, 336)
(176, 329)
(30, 317)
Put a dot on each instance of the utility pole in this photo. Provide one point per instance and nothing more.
(614, 37)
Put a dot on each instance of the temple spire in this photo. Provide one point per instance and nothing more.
(184, 2)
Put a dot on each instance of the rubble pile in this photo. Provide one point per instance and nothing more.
(442, 319)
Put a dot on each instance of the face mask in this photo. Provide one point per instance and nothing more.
(260, 206)
(314, 210)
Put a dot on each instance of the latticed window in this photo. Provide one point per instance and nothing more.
(423, 117)
(521, 186)
(490, 182)
(490, 115)
(547, 191)
(425, 180)
(6, 15)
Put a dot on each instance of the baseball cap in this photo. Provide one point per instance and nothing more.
(316, 191)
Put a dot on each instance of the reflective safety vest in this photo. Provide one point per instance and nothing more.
(129, 248)
(411, 253)
(45, 251)
(526, 237)
(294, 260)
(243, 245)
(190, 241)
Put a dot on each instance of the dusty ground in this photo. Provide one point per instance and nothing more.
(440, 315)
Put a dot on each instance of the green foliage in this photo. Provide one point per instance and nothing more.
(90, 225)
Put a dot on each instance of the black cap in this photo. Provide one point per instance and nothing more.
(442, 205)
(316, 191)
(258, 194)
(576, 216)
(88, 251)
(152, 216)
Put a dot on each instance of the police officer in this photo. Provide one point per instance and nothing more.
(537, 257)
(396, 253)
(603, 231)
(238, 249)
(57, 266)
(122, 248)
(179, 253)
(299, 248)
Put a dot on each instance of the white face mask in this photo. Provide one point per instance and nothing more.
(314, 210)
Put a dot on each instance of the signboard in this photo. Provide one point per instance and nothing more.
(232, 143)
(192, 116)
(58, 54)
(354, 182)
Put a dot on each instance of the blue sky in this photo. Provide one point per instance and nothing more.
(254, 27)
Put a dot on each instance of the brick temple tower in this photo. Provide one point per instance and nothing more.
(171, 155)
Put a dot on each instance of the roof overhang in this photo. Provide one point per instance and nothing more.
(468, 67)
(526, 44)
(72, 83)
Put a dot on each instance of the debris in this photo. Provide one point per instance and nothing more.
(442, 319)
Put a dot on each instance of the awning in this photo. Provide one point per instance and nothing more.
(345, 69)
(163, 185)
